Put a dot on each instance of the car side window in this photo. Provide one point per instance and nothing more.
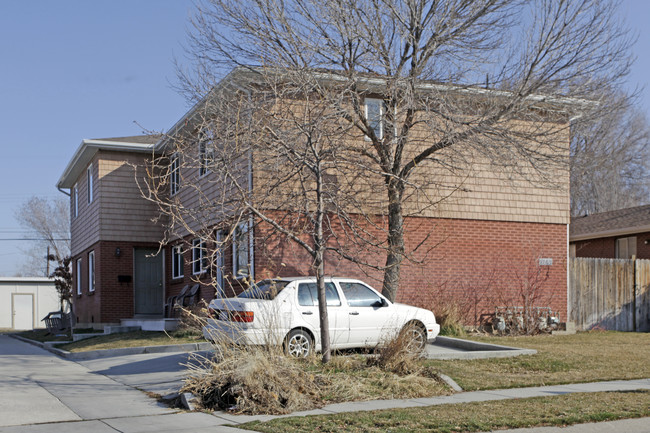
(308, 295)
(359, 295)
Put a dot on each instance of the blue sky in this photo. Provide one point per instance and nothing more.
(75, 69)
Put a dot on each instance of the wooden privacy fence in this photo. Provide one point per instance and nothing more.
(609, 294)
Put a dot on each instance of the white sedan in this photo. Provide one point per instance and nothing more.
(285, 311)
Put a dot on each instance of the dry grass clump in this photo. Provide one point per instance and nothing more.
(254, 380)
(259, 380)
(396, 355)
(450, 318)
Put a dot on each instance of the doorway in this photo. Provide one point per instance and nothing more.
(148, 282)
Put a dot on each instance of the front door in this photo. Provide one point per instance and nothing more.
(148, 282)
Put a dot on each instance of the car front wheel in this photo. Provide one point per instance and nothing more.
(298, 344)
(415, 337)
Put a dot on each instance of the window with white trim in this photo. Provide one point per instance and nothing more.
(626, 247)
(374, 111)
(199, 257)
(89, 174)
(178, 262)
(79, 271)
(206, 151)
(241, 251)
(75, 201)
(91, 271)
(174, 174)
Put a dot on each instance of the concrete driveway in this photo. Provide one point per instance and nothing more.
(38, 388)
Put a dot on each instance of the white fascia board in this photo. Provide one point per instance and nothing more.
(611, 233)
(87, 150)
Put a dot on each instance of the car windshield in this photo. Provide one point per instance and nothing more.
(265, 289)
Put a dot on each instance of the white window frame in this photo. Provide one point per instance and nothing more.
(380, 103)
(75, 201)
(206, 151)
(89, 174)
(199, 257)
(220, 264)
(174, 174)
(178, 262)
(91, 271)
(241, 237)
(79, 279)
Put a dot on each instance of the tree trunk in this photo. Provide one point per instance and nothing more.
(395, 238)
(319, 266)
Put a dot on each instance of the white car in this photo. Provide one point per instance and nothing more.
(285, 311)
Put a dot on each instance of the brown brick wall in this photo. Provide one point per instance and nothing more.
(606, 247)
(475, 264)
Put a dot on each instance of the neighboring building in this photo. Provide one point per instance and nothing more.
(25, 301)
(484, 247)
(618, 234)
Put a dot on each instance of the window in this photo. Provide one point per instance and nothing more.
(626, 247)
(375, 111)
(241, 251)
(174, 174)
(178, 261)
(359, 295)
(75, 201)
(199, 257)
(79, 276)
(206, 151)
(89, 174)
(308, 295)
(91, 271)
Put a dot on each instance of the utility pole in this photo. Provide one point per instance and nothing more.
(47, 266)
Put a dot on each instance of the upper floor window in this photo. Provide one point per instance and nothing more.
(206, 151)
(174, 174)
(91, 271)
(178, 262)
(375, 111)
(241, 251)
(89, 173)
(79, 270)
(75, 201)
(199, 256)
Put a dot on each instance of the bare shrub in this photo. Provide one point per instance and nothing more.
(449, 317)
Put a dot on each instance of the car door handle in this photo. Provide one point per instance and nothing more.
(354, 313)
(307, 313)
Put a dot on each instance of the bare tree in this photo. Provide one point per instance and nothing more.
(436, 87)
(609, 159)
(49, 222)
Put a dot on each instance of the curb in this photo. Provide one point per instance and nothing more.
(108, 353)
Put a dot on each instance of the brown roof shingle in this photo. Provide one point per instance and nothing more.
(617, 220)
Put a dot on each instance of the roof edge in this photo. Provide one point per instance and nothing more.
(87, 150)
(610, 233)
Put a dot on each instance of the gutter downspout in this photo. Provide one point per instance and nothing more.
(61, 190)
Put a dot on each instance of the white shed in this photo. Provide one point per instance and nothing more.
(25, 301)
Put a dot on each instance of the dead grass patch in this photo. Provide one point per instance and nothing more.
(583, 357)
(473, 417)
(132, 339)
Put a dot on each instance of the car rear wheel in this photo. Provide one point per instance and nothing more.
(415, 336)
(298, 344)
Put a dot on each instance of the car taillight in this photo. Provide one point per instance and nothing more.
(242, 316)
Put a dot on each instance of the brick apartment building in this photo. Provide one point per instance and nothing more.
(484, 246)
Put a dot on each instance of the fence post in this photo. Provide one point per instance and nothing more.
(634, 289)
